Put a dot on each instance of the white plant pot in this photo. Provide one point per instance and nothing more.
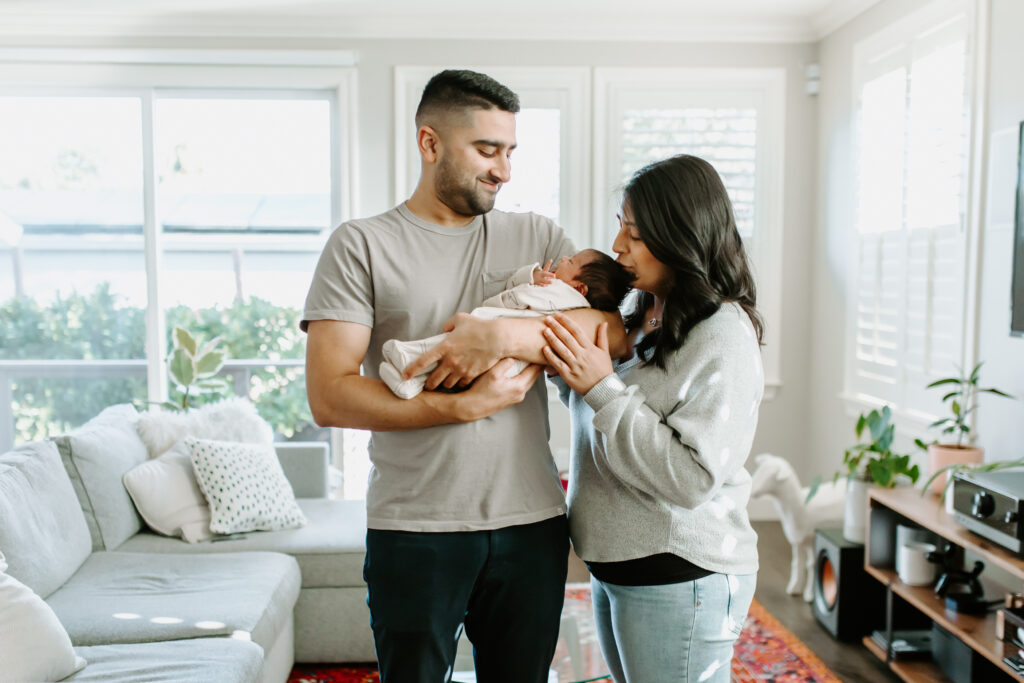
(856, 512)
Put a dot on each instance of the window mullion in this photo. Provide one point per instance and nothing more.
(156, 346)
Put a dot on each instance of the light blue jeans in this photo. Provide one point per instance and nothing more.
(681, 632)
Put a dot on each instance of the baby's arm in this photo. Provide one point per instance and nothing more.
(543, 276)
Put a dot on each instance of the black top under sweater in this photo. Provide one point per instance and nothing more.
(653, 570)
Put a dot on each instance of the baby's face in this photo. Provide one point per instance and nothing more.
(568, 267)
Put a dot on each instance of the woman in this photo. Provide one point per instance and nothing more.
(658, 493)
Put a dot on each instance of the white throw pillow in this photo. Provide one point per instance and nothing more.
(33, 644)
(245, 487)
(168, 497)
(233, 419)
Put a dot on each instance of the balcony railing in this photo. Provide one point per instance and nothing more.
(240, 372)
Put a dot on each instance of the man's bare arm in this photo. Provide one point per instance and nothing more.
(340, 397)
(475, 345)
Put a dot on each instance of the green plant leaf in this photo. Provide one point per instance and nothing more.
(997, 392)
(921, 444)
(813, 488)
(181, 368)
(956, 408)
(208, 364)
(184, 340)
(947, 380)
(208, 346)
(861, 421)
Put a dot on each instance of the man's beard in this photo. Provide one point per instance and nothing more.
(460, 198)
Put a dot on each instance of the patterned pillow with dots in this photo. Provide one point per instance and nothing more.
(245, 486)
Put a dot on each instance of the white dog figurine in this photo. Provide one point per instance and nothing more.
(775, 478)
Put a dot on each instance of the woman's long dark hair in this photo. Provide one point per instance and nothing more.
(683, 214)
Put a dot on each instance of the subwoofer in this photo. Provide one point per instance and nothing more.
(848, 602)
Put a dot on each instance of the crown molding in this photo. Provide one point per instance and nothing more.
(42, 26)
(836, 14)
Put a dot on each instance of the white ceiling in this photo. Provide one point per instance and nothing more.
(685, 20)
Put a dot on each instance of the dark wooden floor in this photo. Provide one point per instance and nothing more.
(848, 661)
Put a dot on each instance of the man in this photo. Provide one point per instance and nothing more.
(465, 513)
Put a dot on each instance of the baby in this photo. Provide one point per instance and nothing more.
(587, 279)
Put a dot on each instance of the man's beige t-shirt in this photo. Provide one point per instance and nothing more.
(404, 277)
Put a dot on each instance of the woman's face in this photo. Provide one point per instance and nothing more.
(651, 275)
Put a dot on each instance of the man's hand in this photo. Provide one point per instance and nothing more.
(543, 276)
(470, 350)
(493, 391)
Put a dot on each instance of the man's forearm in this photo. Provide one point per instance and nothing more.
(359, 402)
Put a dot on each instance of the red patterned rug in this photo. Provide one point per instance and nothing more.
(765, 651)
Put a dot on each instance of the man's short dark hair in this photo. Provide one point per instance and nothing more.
(607, 282)
(454, 89)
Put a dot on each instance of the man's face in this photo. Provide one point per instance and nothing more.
(474, 161)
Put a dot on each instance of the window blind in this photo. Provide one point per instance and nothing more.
(724, 136)
(910, 239)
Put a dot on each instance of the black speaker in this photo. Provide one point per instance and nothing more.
(848, 601)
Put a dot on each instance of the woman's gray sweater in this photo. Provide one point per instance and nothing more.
(658, 455)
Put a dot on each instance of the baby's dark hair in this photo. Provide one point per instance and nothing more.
(455, 89)
(606, 280)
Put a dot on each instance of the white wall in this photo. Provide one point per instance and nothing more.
(783, 426)
(1000, 427)
(1000, 424)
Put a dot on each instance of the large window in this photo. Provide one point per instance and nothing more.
(734, 119)
(144, 197)
(908, 295)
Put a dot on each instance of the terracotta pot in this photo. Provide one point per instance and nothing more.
(940, 456)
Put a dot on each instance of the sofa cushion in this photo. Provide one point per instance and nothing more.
(225, 660)
(96, 457)
(330, 548)
(33, 644)
(119, 597)
(245, 487)
(42, 530)
(167, 495)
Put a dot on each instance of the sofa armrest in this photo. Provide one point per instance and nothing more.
(305, 464)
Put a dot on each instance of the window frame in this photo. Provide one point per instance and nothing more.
(147, 74)
(764, 89)
(893, 47)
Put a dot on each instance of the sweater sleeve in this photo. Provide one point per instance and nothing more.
(699, 436)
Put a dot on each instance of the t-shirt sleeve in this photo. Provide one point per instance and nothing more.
(342, 287)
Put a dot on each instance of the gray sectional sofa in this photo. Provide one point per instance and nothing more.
(139, 606)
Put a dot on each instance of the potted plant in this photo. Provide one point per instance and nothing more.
(193, 368)
(869, 463)
(943, 458)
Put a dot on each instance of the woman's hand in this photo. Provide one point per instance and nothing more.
(471, 349)
(493, 391)
(581, 362)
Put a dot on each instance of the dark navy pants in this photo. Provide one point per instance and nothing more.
(505, 585)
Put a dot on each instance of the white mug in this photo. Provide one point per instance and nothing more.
(912, 566)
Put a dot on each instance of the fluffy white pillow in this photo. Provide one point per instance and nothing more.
(245, 487)
(33, 644)
(168, 497)
(233, 419)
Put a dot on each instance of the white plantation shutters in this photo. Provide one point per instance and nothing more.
(724, 136)
(908, 307)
